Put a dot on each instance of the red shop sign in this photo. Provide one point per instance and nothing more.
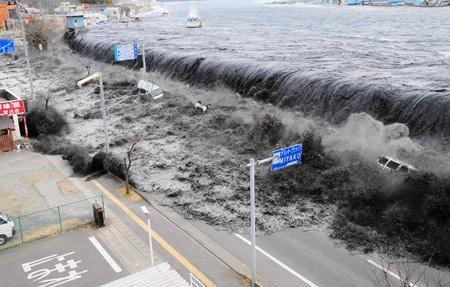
(12, 107)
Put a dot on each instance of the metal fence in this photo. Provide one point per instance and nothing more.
(52, 221)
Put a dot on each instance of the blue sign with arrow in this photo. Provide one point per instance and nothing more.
(287, 156)
(7, 46)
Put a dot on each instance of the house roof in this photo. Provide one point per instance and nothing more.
(161, 275)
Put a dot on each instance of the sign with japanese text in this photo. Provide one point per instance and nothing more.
(54, 270)
(12, 107)
(287, 156)
(7, 46)
(125, 52)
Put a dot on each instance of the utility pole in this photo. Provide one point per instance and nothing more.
(27, 57)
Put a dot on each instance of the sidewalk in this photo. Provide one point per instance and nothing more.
(130, 250)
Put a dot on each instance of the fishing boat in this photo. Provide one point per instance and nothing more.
(165, 12)
(193, 20)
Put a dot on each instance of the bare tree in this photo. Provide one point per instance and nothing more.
(128, 161)
(38, 32)
(408, 274)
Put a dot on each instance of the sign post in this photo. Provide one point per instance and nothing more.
(147, 86)
(130, 52)
(144, 64)
(281, 158)
(253, 219)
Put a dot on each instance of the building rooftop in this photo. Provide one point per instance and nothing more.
(162, 275)
(7, 95)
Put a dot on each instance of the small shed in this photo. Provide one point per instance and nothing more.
(6, 137)
(75, 22)
(15, 108)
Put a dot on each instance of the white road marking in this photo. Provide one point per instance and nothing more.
(44, 276)
(391, 273)
(281, 264)
(105, 255)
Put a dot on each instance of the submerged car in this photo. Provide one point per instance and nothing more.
(392, 164)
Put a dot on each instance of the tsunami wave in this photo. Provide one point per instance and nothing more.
(426, 114)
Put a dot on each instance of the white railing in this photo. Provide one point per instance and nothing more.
(194, 281)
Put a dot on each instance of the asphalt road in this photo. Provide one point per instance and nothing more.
(295, 257)
(69, 259)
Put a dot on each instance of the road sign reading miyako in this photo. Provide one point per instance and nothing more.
(287, 156)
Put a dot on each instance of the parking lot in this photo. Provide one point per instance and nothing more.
(30, 183)
(75, 258)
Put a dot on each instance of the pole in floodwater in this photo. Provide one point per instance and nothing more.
(93, 78)
(103, 106)
(27, 58)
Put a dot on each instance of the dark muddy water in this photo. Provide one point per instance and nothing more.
(329, 61)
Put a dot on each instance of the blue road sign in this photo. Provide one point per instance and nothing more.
(7, 46)
(286, 156)
(125, 52)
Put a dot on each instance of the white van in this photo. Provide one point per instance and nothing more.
(7, 229)
(392, 164)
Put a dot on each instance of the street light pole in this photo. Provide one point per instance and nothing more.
(27, 57)
(253, 219)
(92, 78)
(103, 106)
(147, 213)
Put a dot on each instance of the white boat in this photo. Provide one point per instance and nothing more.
(193, 20)
(165, 12)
